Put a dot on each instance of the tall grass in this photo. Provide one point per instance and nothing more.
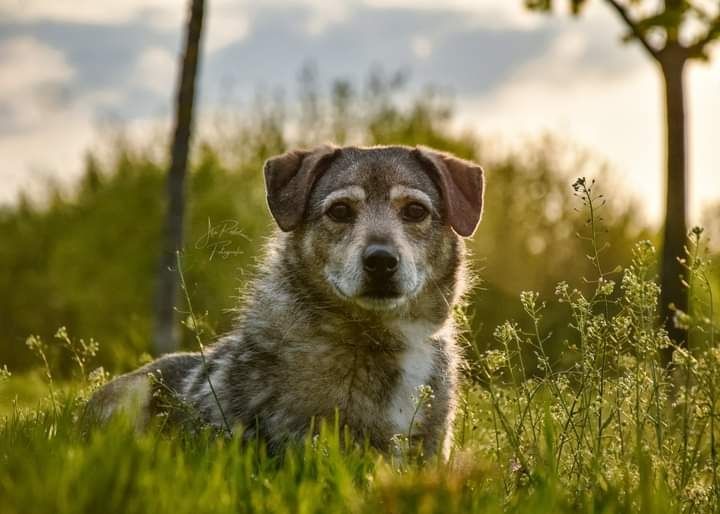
(587, 423)
(607, 417)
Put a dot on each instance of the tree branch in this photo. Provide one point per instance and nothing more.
(713, 32)
(633, 26)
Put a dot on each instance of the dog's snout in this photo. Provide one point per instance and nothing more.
(380, 261)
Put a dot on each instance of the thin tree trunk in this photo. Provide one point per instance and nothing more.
(675, 234)
(166, 337)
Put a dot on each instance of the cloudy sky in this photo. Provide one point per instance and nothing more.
(68, 68)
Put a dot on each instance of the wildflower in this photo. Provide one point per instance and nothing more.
(605, 287)
(580, 184)
(494, 360)
(581, 304)
(424, 396)
(621, 324)
(561, 291)
(697, 231)
(698, 493)
(643, 253)
(627, 361)
(98, 377)
(714, 355)
(506, 332)
(596, 326)
(400, 444)
(62, 334)
(528, 299)
(35, 344)
(682, 320)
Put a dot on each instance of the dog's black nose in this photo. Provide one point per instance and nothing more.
(380, 261)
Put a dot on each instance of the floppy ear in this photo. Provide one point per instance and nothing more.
(289, 178)
(461, 184)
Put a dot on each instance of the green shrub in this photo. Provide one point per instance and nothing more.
(87, 258)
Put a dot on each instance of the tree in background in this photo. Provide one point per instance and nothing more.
(672, 32)
(166, 331)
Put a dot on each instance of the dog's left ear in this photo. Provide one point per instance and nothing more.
(461, 184)
(289, 178)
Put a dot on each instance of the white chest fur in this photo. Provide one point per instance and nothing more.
(416, 368)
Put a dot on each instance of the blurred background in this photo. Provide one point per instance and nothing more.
(87, 108)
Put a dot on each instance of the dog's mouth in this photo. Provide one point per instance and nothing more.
(383, 302)
(381, 293)
(373, 298)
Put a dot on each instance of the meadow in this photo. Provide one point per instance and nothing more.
(565, 406)
(612, 432)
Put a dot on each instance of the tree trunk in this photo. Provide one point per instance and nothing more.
(166, 336)
(674, 294)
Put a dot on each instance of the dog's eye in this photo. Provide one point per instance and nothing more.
(414, 212)
(340, 212)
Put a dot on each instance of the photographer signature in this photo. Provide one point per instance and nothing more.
(220, 239)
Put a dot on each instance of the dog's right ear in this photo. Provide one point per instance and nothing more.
(289, 178)
(461, 184)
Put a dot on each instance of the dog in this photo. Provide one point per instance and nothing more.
(351, 311)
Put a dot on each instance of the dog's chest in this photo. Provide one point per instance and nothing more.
(416, 366)
(379, 384)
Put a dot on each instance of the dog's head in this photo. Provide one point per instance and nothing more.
(374, 226)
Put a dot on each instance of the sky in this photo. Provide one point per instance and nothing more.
(68, 69)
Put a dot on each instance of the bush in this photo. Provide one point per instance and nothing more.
(87, 258)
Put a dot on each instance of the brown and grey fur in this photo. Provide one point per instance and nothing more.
(308, 342)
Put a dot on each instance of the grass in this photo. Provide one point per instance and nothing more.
(603, 428)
